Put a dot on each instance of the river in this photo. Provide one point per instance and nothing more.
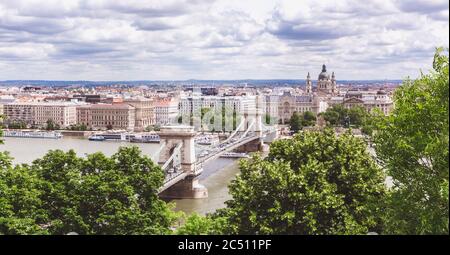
(216, 175)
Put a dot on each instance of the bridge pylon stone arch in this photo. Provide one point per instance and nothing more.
(172, 137)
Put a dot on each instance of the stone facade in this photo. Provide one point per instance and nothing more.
(38, 113)
(144, 111)
(166, 110)
(324, 95)
(106, 116)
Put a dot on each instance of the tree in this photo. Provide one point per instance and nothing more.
(335, 115)
(62, 193)
(295, 122)
(412, 144)
(17, 125)
(20, 205)
(201, 225)
(51, 125)
(78, 127)
(357, 116)
(315, 183)
(102, 195)
(308, 118)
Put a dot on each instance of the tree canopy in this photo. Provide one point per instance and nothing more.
(412, 144)
(315, 183)
(308, 118)
(295, 122)
(62, 193)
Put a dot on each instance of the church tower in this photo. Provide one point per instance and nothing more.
(333, 84)
(308, 84)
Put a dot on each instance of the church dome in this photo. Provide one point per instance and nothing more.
(324, 75)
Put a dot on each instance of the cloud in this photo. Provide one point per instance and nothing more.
(422, 6)
(34, 25)
(152, 25)
(181, 39)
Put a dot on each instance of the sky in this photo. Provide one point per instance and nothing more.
(219, 39)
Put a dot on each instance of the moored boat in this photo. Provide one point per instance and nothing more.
(32, 134)
(234, 155)
(146, 139)
(96, 138)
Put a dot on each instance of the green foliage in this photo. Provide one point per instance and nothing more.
(51, 125)
(295, 122)
(308, 119)
(201, 225)
(17, 125)
(157, 127)
(315, 183)
(412, 144)
(78, 127)
(20, 203)
(356, 116)
(335, 115)
(61, 193)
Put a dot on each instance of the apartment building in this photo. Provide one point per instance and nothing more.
(107, 116)
(240, 104)
(38, 113)
(144, 111)
(166, 110)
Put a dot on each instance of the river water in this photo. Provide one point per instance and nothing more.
(216, 174)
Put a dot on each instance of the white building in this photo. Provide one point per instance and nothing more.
(166, 110)
(37, 114)
(239, 104)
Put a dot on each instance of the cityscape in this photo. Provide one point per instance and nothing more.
(224, 118)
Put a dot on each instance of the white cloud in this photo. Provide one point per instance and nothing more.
(181, 39)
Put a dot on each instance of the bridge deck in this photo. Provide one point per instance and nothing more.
(213, 153)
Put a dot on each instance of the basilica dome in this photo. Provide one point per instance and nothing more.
(324, 75)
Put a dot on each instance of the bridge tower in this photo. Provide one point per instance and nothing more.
(254, 118)
(179, 147)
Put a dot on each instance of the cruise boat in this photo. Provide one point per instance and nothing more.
(234, 155)
(96, 138)
(146, 139)
(32, 134)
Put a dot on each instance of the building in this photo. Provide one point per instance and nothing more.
(369, 100)
(144, 110)
(239, 104)
(166, 110)
(107, 116)
(325, 94)
(38, 113)
(325, 84)
(285, 105)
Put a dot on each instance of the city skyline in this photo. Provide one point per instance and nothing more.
(218, 40)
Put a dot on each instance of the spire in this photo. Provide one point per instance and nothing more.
(324, 68)
(332, 75)
(308, 84)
